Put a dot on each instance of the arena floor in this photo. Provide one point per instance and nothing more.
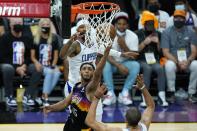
(179, 116)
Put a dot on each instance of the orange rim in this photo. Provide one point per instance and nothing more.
(83, 7)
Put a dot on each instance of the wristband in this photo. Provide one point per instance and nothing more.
(142, 87)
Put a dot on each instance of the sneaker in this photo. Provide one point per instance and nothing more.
(192, 98)
(46, 102)
(125, 99)
(39, 101)
(162, 103)
(162, 99)
(109, 99)
(171, 97)
(142, 104)
(10, 101)
(27, 100)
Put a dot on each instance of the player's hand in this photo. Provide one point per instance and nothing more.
(46, 109)
(140, 81)
(74, 36)
(100, 91)
(123, 70)
(131, 55)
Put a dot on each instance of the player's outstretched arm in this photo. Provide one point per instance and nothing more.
(58, 106)
(99, 69)
(91, 116)
(149, 111)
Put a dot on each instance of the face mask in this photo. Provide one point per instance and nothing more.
(120, 33)
(45, 30)
(153, 8)
(179, 7)
(18, 28)
(179, 24)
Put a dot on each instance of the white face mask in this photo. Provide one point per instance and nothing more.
(179, 7)
(120, 33)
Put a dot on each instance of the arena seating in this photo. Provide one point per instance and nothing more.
(181, 81)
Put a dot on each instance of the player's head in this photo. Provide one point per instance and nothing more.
(81, 26)
(121, 22)
(149, 21)
(133, 116)
(86, 71)
(45, 25)
(16, 24)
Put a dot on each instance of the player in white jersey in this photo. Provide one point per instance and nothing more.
(134, 120)
(77, 53)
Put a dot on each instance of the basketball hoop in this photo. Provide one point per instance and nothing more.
(100, 16)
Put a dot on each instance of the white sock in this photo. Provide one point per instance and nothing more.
(162, 96)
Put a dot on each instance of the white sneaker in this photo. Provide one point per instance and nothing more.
(164, 104)
(27, 100)
(109, 99)
(125, 99)
(11, 101)
(143, 104)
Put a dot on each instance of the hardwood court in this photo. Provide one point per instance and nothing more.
(59, 127)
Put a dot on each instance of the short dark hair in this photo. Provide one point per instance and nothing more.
(133, 116)
(87, 63)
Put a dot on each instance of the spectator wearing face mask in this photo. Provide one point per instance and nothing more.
(15, 51)
(179, 44)
(125, 41)
(190, 18)
(44, 55)
(162, 16)
(150, 53)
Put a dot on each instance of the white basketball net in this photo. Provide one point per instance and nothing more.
(98, 29)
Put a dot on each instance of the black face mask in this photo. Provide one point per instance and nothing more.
(45, 30)
(153, 8)
(18, 28)
(179, 24)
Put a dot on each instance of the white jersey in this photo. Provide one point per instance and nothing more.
(142, 127)
(86, 55)
(131, 41)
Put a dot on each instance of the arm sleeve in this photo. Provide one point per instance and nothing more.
(165, 40)
(193, 36)
(112, 52)
(133, 42)
(28, 47)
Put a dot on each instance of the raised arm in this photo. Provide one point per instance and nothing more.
(91, 116)
(65, 49)
(149, 111)
(98, 72)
